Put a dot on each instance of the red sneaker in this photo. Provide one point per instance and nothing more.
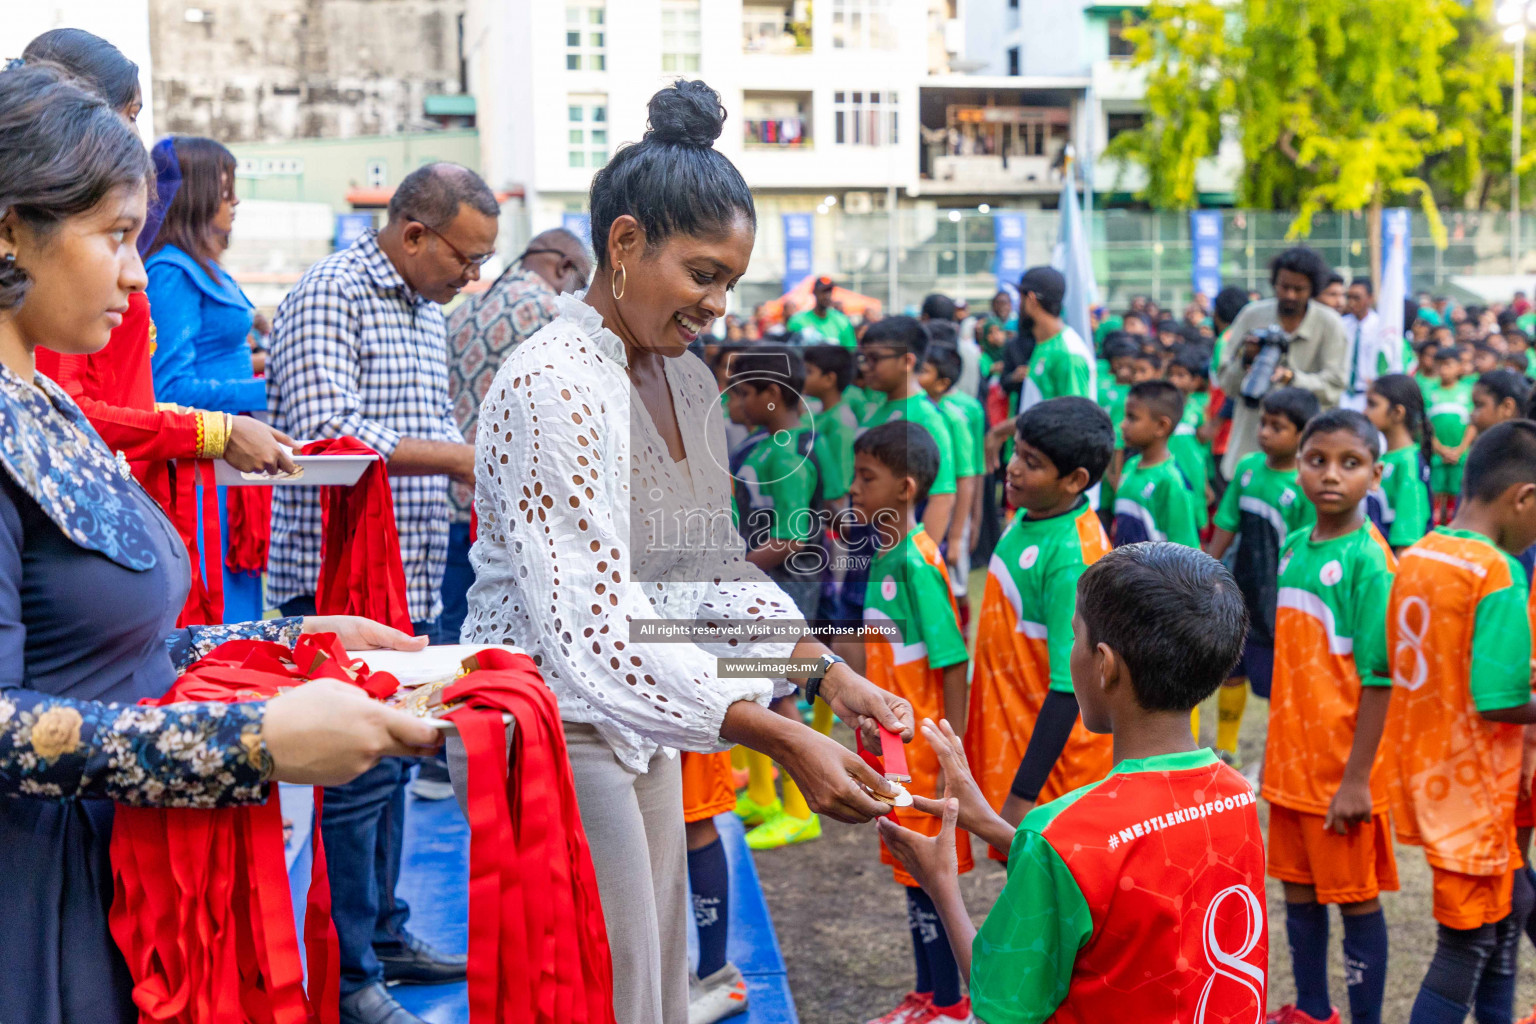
(1288, 1014)
(960, 1013)
(913, 1009)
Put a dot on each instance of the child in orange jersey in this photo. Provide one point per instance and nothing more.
(1024, 739)
(1328, 825)
(920, 655)
(1458, 629)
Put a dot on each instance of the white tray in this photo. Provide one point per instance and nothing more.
(315, 471)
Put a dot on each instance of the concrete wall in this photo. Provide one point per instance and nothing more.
(282, 69)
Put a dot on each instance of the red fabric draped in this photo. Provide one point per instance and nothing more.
(538, 949)
(360, 569)
(201, 908)
(250, 528)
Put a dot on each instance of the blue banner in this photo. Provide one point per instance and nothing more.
(1205, 246)
(1396, 221)
(578, 224)
(350, 227)
(799, 237)
(1008, 261)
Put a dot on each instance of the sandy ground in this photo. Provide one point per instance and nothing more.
(841, 920)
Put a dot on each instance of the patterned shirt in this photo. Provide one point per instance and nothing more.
(482, 332)
(356, 351)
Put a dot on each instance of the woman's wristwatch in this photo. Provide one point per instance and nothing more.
(813, 683)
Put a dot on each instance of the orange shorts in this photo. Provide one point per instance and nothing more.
(1470, 901)
(1350, 868)
(708, 787)
(927, 825)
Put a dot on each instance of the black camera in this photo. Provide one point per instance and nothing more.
(1273, 345)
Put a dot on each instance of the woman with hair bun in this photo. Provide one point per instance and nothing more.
(604, 501)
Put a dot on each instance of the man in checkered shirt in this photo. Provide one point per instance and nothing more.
(482, 333)
(359, 348)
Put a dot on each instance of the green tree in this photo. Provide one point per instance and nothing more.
(1337, 104)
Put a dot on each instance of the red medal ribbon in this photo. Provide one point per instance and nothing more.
(201, 909)
(538, 948)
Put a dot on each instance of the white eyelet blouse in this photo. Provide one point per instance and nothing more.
(587, 524)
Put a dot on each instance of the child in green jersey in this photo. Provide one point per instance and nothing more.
(914, 649)
(889, 357)
(1190, 372)
(967, 427)
(1262, 505)
(1140, 896)
(1449, 398)
(828, 375)
(1399, 506)
(1497, 396)
(1154, 501)
(777, 493)
(1329, 831)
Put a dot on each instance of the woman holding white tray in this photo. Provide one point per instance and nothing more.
(604, 501)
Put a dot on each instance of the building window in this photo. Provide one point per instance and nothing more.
(587, 131)
(1121, 48)
(864, 118)
(681, 43)
(585, 37)
(1013, 60)
(862, 25)
(776, 26)
(1118, 123)
(778, 120)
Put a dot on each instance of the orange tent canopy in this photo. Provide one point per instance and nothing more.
(800, 298)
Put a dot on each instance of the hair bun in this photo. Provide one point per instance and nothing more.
(686, 114)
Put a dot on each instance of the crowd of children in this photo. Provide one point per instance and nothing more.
(1374, 593)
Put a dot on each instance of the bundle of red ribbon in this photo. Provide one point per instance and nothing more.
(538, 949)
(250, 528)
(360, 569)
(201, 907)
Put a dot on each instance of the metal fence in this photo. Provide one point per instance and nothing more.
(1135, 252)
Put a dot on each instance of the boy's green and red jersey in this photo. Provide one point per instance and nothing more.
(1140, 897)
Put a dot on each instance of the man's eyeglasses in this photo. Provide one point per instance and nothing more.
(872, 357)
(468, 261)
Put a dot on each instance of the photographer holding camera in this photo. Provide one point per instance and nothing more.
(1291, 340)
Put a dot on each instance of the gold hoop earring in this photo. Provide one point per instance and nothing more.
(618, 290)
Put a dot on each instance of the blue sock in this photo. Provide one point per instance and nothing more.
(1307, 926)
(1433, 1008)
(915, 901)
(710, 880)
(1365, 965)
(1495, 1000)
(928, 930)
(1530, 920)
